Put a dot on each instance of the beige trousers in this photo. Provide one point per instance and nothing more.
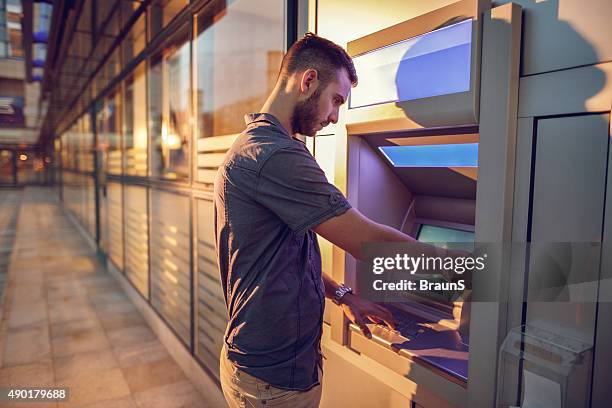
(242, 390)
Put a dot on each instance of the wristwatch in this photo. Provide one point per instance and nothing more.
(340, 292)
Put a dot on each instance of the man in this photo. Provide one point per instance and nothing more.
(271, 198)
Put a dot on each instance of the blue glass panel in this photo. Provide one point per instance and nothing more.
(443, 155)
(432, 64)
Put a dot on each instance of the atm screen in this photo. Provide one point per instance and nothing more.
(442, 235)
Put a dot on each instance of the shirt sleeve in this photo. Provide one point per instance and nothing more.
(292, 185)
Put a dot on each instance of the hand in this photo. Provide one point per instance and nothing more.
(359, 311)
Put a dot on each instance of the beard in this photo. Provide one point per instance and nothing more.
(304, 118)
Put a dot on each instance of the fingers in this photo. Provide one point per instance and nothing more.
(386, 316)
(360, 322)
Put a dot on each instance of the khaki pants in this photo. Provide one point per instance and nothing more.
(242, 390)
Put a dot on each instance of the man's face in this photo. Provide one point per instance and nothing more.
(321, 108)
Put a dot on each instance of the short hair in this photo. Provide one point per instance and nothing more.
(312, 51)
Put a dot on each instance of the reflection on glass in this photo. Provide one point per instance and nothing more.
(135, 123)
(135, 40)
(237, 64)
(113, 65)
(84, 136)
(103, 11)
(7, 173)
(169, 110)
(162, 12)
(432, 64)
(109, 132)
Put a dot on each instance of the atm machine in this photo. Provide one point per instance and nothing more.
(429, 152)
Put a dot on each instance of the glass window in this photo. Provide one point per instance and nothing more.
(162, 12)
(87, 135)
(103, 11)
(109, 135)
(135, 122)
(7, 163)
(135, 40)
(113, 65)
(237, 62)
(14, 13)
(169, 109)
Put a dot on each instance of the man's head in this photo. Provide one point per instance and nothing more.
(321, 74)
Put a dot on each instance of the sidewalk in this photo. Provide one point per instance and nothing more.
(67, 323)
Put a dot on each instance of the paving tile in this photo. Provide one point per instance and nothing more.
(27, 293)
(26, 346)
(141, 353)
(27, 375)
(73, 327)
(94, 387)
(149, 375)
(69, 311)
(27, 314)
(124, 402)
(121, 306)
(110, 321)
(107, 297)
(80, 342)
(83, 363)
(178, 395)
(130, 336)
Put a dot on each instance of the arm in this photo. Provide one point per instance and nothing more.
(352, 229)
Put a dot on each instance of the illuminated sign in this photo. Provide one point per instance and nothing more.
(442, 155)
(432, 64)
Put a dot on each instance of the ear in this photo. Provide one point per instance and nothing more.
(309, 81)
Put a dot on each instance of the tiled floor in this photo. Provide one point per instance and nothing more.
(66, 322)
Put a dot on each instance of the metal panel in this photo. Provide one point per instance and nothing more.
(211, 310)
(569, 186)
(602, 392)
(137, 238)
(494, 195)
(115, 223)
(586, 89)
(562, 34)
(170, 260)
(567, 212)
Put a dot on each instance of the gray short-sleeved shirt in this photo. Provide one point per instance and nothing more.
(269, 193)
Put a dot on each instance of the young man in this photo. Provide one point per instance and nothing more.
(271, 197)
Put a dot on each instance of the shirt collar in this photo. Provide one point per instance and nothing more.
(250, 118)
